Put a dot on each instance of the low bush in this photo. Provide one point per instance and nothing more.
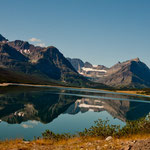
(103, 129)
(51, 135)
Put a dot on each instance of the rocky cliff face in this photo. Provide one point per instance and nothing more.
(129, 74)
(132, 74)
(87, 69)
(47, 60)
(76, 63)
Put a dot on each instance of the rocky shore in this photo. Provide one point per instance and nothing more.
(90, 143)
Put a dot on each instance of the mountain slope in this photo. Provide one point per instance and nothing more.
(131, 74)
(87, 69)
(47, 60)
(13, 60)
(76, 63)
(24, 62)
(2, 38)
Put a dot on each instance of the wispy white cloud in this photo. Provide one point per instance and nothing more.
(34, 40)
(37, 42)
(41, 44)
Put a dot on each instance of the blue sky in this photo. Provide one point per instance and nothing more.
(98, 31)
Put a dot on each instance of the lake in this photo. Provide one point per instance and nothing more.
(26, 112)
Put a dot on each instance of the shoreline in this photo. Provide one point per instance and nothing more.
(40, 85)
(131, 92)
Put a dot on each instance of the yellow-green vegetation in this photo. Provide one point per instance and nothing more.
(93, 138)
(134, 91)
(75, 143)
(144, 91)
(103, 129)
(70, 144)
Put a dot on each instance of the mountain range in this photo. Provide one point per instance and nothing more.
(129, 74)
(21, 62)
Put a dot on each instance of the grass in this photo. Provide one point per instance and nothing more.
(72, 143)
(75, 143)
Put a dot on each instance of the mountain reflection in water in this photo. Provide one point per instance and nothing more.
(46, 105)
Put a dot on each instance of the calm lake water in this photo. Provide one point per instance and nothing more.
(26, 112)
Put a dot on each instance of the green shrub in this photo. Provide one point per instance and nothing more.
(51, 135)
(101, 128)
(104, 129)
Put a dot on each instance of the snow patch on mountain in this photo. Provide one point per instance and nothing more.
(94, 70)
(25, 51)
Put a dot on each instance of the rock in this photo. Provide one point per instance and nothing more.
(134, 141)
(26, 142)
(89, 144)
(127, 147)
(109, 138)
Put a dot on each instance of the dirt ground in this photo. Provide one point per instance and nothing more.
(78, 144)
